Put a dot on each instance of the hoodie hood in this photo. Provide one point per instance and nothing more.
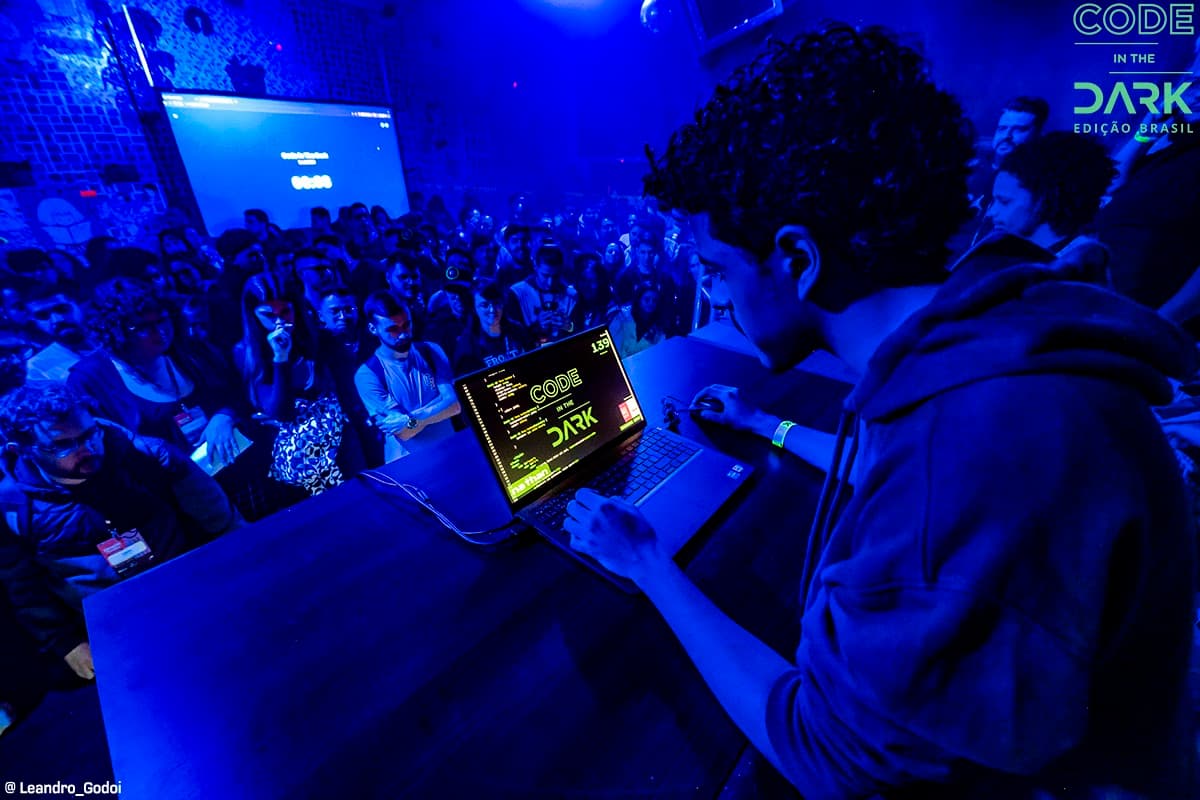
(994, 319)
(999, 315)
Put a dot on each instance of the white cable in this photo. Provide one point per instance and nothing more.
(423, 500)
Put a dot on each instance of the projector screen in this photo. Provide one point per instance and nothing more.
(284, 157)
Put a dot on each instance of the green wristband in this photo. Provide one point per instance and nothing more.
(781, 432)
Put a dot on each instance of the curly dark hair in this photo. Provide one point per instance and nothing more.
(1068, 175)
(22, 409)
(841, 131)
(118, 303)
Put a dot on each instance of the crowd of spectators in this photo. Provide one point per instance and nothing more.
(152, 400)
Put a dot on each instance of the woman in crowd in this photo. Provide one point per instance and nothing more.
(639, 325)
(489, 338)
(380, 218)
(292, 391)
(614, 258)
(150, 380)
(596, 304)
(154, 379)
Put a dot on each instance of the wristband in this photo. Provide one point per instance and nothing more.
(1144, 139)
(781, 432)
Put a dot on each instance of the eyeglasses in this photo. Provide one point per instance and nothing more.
(61, 448)
(46, 312)
(149, 326)
(487, 305)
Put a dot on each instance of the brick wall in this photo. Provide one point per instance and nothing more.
(75, 101)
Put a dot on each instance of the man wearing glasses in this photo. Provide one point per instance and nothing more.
(57, 329)
(91, 504)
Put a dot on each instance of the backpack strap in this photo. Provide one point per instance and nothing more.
(376, 366)
(18, 515)
(427, 356)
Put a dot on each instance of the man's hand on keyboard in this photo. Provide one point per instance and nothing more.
(614, 533)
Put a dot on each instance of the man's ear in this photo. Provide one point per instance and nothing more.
(798, 257)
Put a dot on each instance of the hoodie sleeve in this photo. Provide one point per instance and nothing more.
(956, 610)
(55, 626)
(198, 497)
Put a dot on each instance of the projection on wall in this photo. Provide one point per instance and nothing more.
(284, 157)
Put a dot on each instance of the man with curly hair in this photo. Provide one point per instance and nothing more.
(997, 599)
(89, 503)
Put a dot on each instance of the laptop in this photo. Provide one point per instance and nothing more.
(564, 417)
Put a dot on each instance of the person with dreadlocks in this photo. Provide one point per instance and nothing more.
(997, 598)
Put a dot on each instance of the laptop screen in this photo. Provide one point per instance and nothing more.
(543, 412)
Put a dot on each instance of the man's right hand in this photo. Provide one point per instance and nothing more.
(549, 320)
(736, 413)
(80, 661)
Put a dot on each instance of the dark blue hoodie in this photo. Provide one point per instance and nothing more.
(1005, 603)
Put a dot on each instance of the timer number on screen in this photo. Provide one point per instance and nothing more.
(602, 345)
(312, 182)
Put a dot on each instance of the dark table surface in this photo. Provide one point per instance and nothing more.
(352, 647)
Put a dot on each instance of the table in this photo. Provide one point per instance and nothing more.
(352, 647)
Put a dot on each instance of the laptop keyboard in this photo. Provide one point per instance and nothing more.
(640, 467)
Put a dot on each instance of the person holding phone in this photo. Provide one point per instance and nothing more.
(545, 302)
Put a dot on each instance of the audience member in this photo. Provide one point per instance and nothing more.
(1021, 120)
(638, 326)
(57, 329)
(614, 258)
(489, 338)
(15, 350)
(32, 267)
(320, 224)
(646, 267)
(404, 281)
(1149, 224)
(515, 262)
(596, 304)
(1047, 190)
(316, 274)
(293, 391)
(81, 489)
(484, 254)
(544, 303)
(266, 234)
(406, 385)
(380, 218)
(153, 382)
(343, 343)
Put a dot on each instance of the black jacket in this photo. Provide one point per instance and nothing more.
(52, 561)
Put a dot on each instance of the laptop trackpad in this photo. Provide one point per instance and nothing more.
(681, 506)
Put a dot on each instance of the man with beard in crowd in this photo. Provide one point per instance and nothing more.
(57, 328)
(406, 385)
